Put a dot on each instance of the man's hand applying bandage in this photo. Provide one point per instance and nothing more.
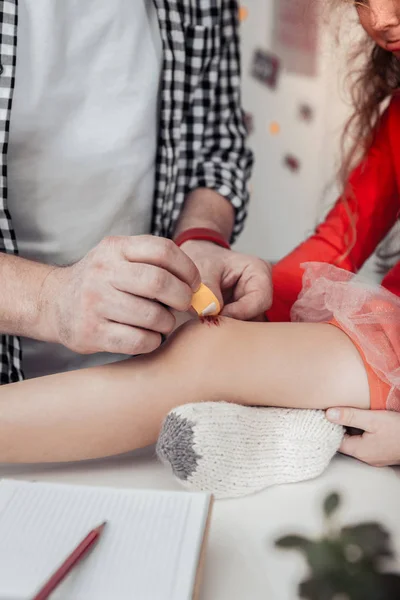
(241, 283)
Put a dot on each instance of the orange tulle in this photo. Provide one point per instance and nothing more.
(369, 314)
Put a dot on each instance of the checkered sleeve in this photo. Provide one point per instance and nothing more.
(226, 162)
(10, 350)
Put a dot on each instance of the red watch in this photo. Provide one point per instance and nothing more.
(204, 234)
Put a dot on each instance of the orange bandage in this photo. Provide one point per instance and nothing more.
(205, 303)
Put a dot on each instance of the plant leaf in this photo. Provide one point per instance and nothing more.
(293, 542)
(315, 589)
(324, 556)
(331, 504)
(371, 538)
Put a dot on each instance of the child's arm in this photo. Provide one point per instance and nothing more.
(117, 408)
(374, 207)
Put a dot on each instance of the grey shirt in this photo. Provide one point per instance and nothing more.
(83, 136)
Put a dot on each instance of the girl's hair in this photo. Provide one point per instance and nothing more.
(375, 82)
(372, 84)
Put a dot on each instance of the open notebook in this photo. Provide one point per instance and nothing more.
(151, 548)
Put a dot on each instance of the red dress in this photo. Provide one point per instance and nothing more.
(369, 314)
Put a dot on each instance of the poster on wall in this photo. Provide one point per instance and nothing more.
(295, 35)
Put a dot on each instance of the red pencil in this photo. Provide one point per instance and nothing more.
(70, 562)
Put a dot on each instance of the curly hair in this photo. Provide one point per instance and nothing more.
(375, 82)
(371, 85)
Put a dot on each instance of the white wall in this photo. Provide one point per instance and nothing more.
(285, 206)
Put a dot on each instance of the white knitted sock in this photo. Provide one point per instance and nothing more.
(233, 450)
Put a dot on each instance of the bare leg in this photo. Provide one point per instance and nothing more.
(293, 365)
(232, 450)
(95, 412)
(116, 408)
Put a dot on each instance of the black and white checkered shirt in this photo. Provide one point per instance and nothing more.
(202, 135)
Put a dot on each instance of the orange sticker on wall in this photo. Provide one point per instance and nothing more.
(243, 13)
(274, 128)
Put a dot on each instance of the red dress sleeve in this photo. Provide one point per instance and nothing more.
(374, 207)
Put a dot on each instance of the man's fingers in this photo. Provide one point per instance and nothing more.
(155, 283)
(163, 253)
(252, 294)
(352, 417)
(246, 308)
(122, 339)
(138, 312)
(214, 285)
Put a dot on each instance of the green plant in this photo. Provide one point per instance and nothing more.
(346, 563)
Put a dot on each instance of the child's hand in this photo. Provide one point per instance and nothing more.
(379, 445)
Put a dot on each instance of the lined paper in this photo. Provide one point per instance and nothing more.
(148, 551)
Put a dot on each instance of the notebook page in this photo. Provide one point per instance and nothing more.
(148, 551)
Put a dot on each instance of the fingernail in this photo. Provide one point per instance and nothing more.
(333, 414)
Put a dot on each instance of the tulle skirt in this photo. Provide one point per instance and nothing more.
(369, 314)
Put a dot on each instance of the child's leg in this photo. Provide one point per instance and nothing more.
(232, 450)
(116, 408)
(95, 412)
(293, 365)
(235, 450)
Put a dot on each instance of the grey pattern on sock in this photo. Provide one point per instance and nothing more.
(175, 446)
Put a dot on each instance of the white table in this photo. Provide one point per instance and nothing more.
(242, 563)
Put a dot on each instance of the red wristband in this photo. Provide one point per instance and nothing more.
(204, 234)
